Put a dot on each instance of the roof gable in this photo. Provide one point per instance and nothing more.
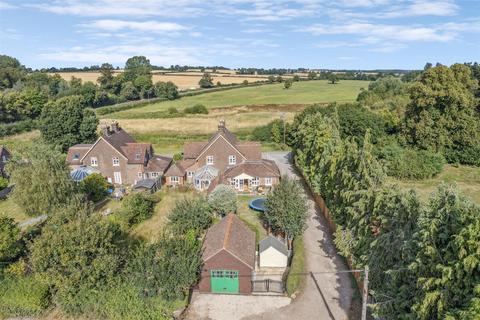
(233, 236)
(272, 242)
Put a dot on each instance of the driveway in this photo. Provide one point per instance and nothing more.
(323, 296)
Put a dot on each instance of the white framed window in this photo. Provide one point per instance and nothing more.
(137, 156)
(174, 179)
(209, 159)
(109, 180)
(255, 182)
(232, 182)
(153, 174)
(94, 161)
(116, 161)
(140, 174)
(117, 177)
(232, 160)
(268, 181)
(190, 173)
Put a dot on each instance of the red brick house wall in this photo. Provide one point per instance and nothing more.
(226, 261)
(220, 150)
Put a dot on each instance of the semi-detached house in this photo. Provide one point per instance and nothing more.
(223, 159)
(119, 158)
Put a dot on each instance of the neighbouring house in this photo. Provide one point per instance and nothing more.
(224, 160)
(273, 253)
(228, 257)
(4, 157)
(119, 158)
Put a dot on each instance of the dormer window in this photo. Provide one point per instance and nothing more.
(232, 160)
(93, 161)
(116, 161)
(137, 156)
(76, 156)
(209, 160)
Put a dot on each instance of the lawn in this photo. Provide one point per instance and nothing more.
(250, 217)
(466, 178)
(305, 92)
(150, 229)
(12, 210)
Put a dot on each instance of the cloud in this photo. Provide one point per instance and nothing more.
(145, 26)
(374, 33)
(159, 54)
(424, 8)
(131, 8)
(5, 5)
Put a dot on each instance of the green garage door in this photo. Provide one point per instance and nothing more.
(224, 281)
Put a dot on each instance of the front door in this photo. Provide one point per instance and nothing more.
(117, 177)
(224, 281)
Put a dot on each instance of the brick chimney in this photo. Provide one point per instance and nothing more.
(221, 125)
(114, 126)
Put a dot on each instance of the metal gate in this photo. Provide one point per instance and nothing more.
(268, 285)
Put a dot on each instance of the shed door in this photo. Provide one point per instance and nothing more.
(224, 281)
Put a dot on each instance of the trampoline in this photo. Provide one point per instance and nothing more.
(257, 204)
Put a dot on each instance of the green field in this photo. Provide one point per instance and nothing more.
(305, 92)
(466, 178)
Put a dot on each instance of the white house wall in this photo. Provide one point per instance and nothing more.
(273, 258)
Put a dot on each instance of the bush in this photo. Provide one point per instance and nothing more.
(3, 183)
(223, 200)
(11, 245)
(21, 297)
(95, 186)
(407, 163)
(197, 109)
(190, 214)
(177, 157)
(136, 208)
(294, 277)
(17, 127)
(172, 110)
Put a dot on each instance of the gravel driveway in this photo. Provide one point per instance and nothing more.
(324, 296)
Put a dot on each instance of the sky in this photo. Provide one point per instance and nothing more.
(341, 34)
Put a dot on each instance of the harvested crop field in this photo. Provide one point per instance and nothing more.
(183, 80)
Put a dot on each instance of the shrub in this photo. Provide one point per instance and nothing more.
(136, 208)
(3, 183)
(197, 109)
(223, 200)
(172, 110)
(10, 239)
(190, 214)
(177, 157)
(407, 163)
(21, 297)
(17, 127)
(294, 277)
(95, 186)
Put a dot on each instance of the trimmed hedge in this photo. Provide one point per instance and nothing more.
(23, 296)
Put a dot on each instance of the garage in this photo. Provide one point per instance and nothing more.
(224, 281)
(228, 258)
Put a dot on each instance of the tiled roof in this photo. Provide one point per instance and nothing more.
(76, 152)
(192, 149)
(136, 152)
(252, 150)
(175, 170)
(262, 168)
(272, 242)
(158, 164)
(232, 235)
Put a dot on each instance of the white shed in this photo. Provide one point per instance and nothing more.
(272, 253)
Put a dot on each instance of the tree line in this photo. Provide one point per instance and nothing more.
(24, 95)
(423, 258)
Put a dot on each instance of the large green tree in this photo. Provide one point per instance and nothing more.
(11, 71)
(10, 240)
(447, 264)
(66, 122)
(190, 214)
(286, 208)
(442, 115)
(137, 66)
(41, 178)
(77, 256)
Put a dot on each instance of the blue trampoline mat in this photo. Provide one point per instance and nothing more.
(258, 204)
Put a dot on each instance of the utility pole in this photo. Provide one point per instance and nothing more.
(365, 295)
